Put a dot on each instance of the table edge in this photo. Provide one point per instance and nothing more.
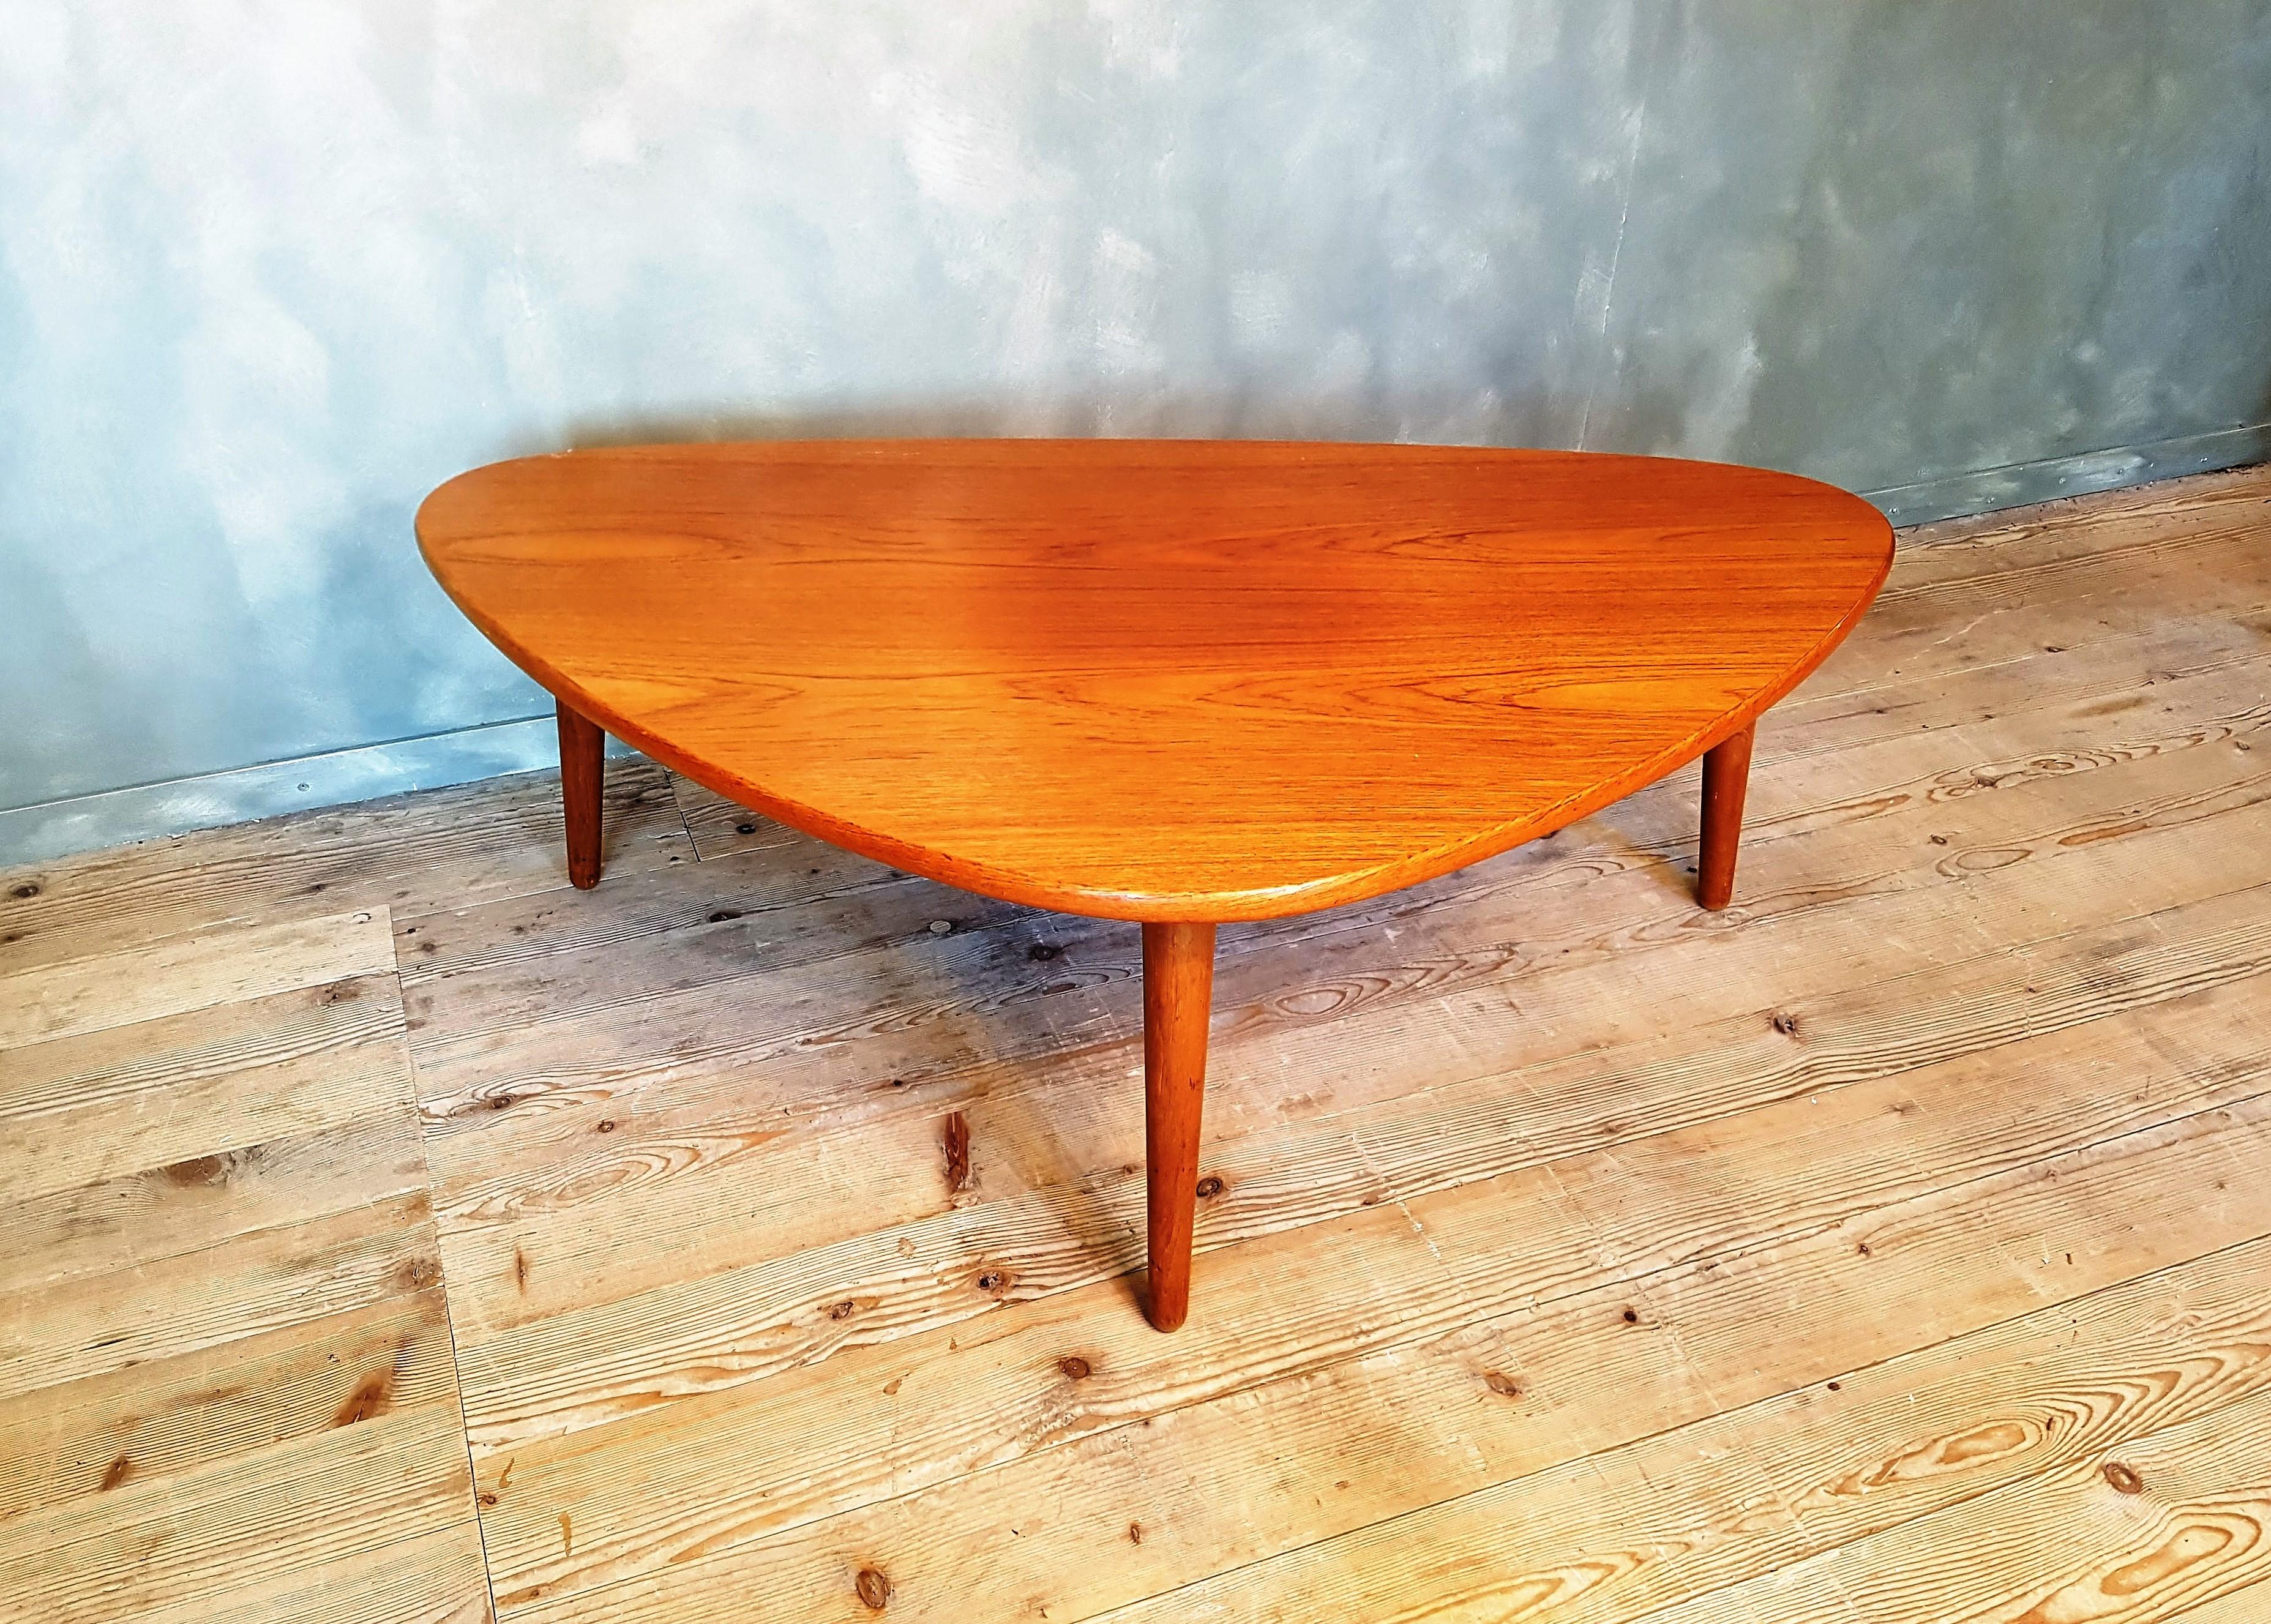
(1219, 907)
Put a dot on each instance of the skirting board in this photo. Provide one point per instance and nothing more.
(57, 828)
(2025, 483)
(149, 811)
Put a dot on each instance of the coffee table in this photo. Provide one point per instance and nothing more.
(1178, 683)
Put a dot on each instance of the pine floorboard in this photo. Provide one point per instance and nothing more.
(397, 1233)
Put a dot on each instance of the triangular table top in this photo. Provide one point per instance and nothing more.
(1178, 682)
(1158, 681)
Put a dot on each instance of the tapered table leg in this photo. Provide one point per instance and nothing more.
(1726, 774)
(580, 777)
(1178, 992)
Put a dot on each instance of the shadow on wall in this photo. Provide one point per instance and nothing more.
(1535, 418)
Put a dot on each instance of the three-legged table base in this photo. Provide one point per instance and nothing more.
(1178, 994)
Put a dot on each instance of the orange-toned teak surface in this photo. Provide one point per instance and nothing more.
(1182, 682)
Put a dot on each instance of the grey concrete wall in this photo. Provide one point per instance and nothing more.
(269, 272)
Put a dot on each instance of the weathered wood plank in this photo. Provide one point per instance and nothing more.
(1452, 1133)
(339, 1515)
(2000, 613)
(1595, 1098)
(227, 1383)
(2099, 679)
(2190, 1526)
(2143, 517)
(150, 1420)
(411, 854)
(1694, 1129)
(106, 1104)
(2056, 1388)
(429, 1578)
(720, 828)
(627, 912)
(133, 1222)
(2050, 1230)
(72, 996)
(730, 957)
(1429, 1407)
(1933, 1429)
(528, 1240)
(2249, 1603)
(1003, 1390)
(1846, 1171)
(259, 1282)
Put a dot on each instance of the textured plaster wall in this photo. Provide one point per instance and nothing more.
(269, 272)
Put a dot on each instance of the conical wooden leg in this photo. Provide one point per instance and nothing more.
(1726, 774)
(580, 777)
(1178, 992)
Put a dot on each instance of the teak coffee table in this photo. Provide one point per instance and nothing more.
(1178, 683)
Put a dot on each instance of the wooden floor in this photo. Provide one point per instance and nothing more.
(395, 1234)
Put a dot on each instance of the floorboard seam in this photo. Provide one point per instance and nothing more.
(2064, 1305)
(1635, 1281)
(449, 1327)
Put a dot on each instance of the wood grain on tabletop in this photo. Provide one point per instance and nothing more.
(1201, 680)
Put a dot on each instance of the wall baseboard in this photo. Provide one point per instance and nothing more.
(55, 829)
(2025, 483)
